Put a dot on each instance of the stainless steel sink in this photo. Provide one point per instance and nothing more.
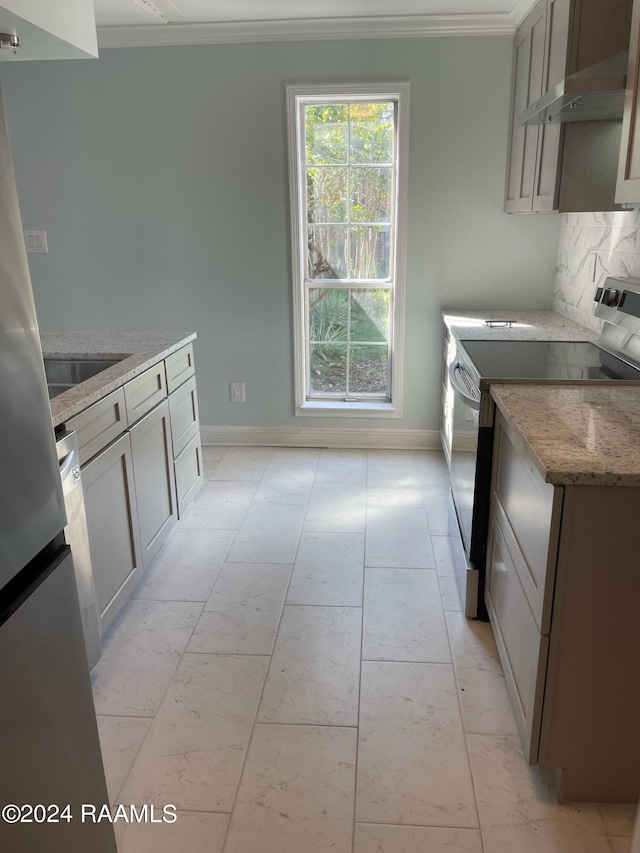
(63, 374)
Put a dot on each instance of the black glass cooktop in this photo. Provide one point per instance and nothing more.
(550, 361)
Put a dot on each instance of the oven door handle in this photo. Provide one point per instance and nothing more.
(459, 390)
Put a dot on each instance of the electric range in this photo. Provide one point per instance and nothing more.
(612, 358)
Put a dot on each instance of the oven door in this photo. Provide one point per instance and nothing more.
(470, 472)
(464, 446)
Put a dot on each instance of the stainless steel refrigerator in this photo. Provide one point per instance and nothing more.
(49, 749)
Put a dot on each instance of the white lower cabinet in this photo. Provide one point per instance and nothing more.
(562, 591)
(142, 467)
(189, 474)
(523, 649)
(185, 433)
(154, 479)
(112, 522)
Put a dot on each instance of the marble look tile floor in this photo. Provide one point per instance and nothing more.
(295, 674)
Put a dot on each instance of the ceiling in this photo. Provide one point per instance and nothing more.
(123, 23)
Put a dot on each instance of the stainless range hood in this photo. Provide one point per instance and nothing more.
(594, 94)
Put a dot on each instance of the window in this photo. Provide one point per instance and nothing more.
(348, 160)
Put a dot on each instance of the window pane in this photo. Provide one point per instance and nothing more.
(371, 194)
(370, 315)
(327, 255)
(328, 368)
(371, 133)
(326, 133)
(345, 199)
(328, 314)
(327, 194)
(370, 252)
(368, 369)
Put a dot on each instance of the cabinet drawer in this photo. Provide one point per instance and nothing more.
(189, 476)
(528, 511)
(100, 424)
(179, 366)
(144, 392)
(185, 423)
(523, 650)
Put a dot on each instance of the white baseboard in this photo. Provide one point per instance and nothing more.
(389, 439)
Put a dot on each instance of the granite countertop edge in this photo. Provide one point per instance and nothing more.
(529, 325)
(137, 352)
(565, 460)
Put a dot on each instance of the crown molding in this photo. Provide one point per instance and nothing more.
(520, 11)
(313, 29)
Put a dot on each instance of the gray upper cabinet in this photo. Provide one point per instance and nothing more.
(566, 167)
(628, 185)
(546, 177)
(528, 68)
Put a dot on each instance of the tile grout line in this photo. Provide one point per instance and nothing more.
(155, 713)
(308, 725)
(464, 730)
(417, 826)
(125, 716)
(266, 675)
(252, 503)
(364, 560)
(253, 726)
(181, 657)
(191, 601)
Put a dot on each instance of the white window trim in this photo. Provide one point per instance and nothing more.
(329, 408)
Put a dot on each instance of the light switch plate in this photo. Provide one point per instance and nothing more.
(36, 242)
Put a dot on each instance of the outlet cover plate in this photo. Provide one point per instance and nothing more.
(36, 242)
(237, 392)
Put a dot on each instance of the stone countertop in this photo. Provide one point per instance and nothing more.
(528, 326)
(137, 351)
(577, 435)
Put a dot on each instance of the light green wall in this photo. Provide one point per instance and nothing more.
(160, 176)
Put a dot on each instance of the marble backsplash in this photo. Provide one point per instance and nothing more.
(615, 237)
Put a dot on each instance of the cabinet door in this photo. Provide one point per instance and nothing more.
(522, 648)
(189, 474)
(528, 68)
(628, 186)
(185, 423)
(112, 521)
(528, 511)
(154, 479)
(550, 136)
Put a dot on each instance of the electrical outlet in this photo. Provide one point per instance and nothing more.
(36, 242)
(237, 392)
